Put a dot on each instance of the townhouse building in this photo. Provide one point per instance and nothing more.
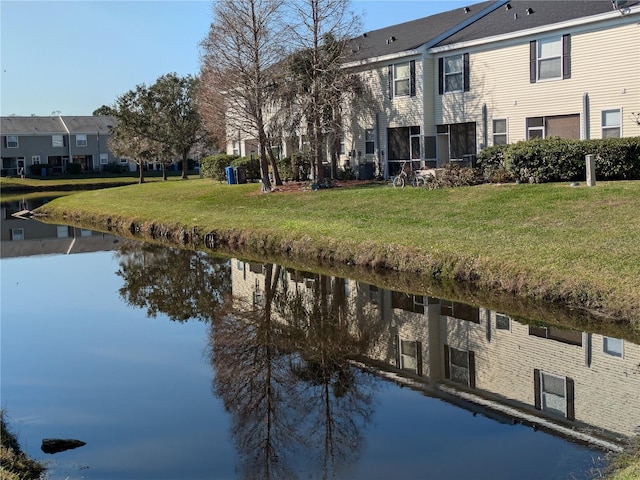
(574, 384)
(446, 86)
(54, 142)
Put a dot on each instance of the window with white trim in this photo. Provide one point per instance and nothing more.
(535, 127)
(500, 131)
(57, 140)
(402, 79)
(104, 158)
(611, 124)
(81, 140)
(503, 322)
(408, 354)
(35, 159)
(62, 231)
(553, 394)
(12, 141)
(17, 234)
(549, 60)
(343, 149)
(613, 346)
(453, 79)
(369, 141)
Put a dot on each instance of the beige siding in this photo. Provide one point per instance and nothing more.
(605, 65)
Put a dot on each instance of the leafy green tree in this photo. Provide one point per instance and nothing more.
(181, 284)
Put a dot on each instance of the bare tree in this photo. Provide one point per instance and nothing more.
(244, 43)
(322, 28)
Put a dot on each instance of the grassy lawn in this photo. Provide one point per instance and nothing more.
(550, 241)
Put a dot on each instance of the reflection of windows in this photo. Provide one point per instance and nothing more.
(500, 131)
(611, 124)
(35, 159)
(410, 355)
(460, 366)
(86, 233)
(612, 346)
(407, 302)
(571, 337)
(17, 234)
(62, 231)
(503, 322)
(258, 299)
(57, 141)
(374, 295)
(459, 310)
(554, 394)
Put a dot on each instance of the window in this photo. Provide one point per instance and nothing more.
(460, 366)
(35, 159)
(81, 140)
(17, 234)
(104, 158)
(86, 233)
(404, 144)
(500, 131)
(369, 141)
(535, 127)
(374, 295)
(611, 124)
(459, 310)
(407, 302)
(62, 231)
(503, 322)
(613, 346)
(453, 74)
(570, 337)
(57, 140)
(550, 59)
(414, 136)
(409, 355)
(342, 147)
(401, 79)
(554, 394)
(12, 141)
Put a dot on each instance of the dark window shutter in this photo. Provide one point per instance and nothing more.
(447, 371)
(390, 79)
(397, 340)
(419, 358)
(441, 76)
(571, 395)
(465, 72)
(412, 73)
(6, 141)
(64, 141)
(566, 56)
(533, 53)
(472, 370)
(536, 389)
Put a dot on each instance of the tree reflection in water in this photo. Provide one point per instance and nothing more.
(179, 283)
(283, 372)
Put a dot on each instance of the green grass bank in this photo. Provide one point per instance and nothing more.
(552, 242)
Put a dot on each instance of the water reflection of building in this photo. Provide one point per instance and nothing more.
(578, 385)
(25, 237)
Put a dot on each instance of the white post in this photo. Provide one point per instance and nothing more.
(591, 171)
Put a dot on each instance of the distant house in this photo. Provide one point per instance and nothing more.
(54, 142)
(451, 84)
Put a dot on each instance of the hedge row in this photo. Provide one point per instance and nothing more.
(555, 159)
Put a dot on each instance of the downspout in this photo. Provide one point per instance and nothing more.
(378, 156)
(586, 134)
(69, 143)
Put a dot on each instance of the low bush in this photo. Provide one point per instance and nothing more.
(213, 166)
(74, 169)
(455, 176)
(114, 167)
(251, 166)
(554, 159)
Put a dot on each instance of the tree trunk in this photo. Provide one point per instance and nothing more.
(264, 169)
(141, 175)
(274, 167)
(184, 165)
(164, 171)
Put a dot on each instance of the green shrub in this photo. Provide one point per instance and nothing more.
(346, 173)
(251, 166)
(37, 169)
(214, 165)
(555, 159)
(114, 167)
(74, 169)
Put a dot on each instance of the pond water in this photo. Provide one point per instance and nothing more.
(172, 364)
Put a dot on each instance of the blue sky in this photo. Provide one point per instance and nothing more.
(74, 56)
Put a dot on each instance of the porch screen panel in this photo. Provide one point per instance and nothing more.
(398, 143)
(463, 139)
(563, 126)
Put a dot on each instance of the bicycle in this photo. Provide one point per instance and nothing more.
(408, 176)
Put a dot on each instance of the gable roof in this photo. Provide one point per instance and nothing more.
(55, 125)
(414, 34)
(520, 15)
